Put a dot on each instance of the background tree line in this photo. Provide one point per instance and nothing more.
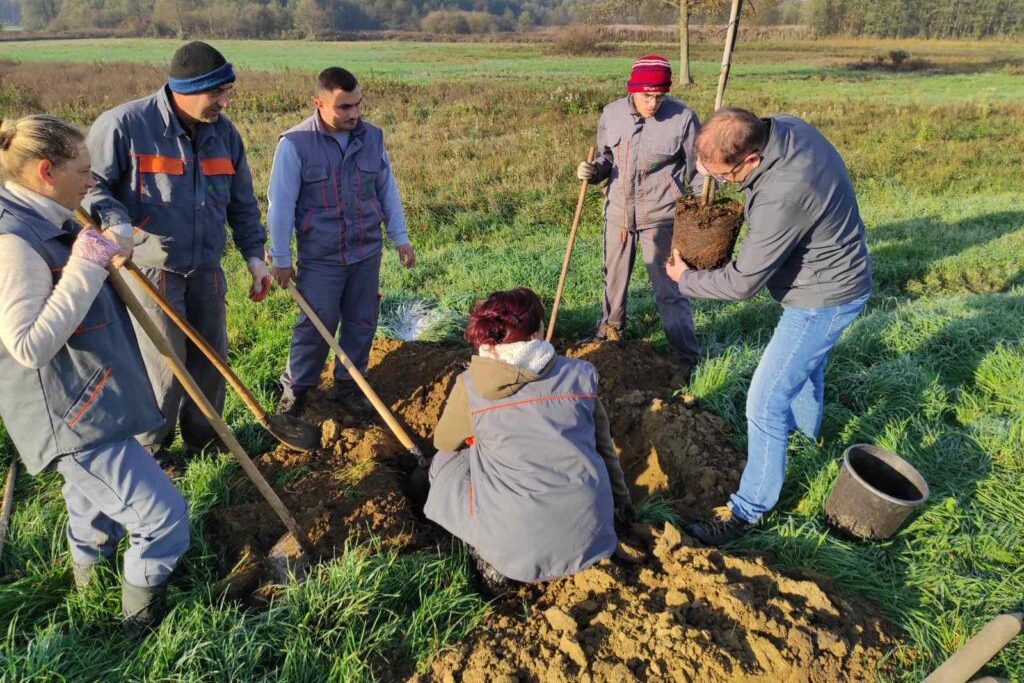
(312, 18)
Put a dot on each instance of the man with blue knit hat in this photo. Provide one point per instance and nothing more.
(645, 151)
(331, 185)
(170, 171)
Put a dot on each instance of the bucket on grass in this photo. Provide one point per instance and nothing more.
(874, 493)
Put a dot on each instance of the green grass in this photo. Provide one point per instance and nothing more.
(484, 140)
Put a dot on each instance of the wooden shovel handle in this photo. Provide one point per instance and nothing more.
(371, 395)
(8, 500)
(151, 329)
(185, 326)
(568, 249)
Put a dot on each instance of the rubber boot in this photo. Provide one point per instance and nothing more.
(142, 609)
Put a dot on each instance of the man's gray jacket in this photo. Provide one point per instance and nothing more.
(649, 163)
(805, 237)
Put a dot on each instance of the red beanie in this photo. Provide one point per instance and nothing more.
(650, 74)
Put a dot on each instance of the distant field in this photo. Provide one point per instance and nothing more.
(791, 72)
(484, 140)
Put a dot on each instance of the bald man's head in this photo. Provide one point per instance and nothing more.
(729, 135)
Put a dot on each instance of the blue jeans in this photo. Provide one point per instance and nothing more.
(787, 392)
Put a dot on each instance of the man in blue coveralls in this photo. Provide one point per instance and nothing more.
(331, 184)
(170, 171)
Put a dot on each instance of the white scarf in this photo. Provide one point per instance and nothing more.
(532, 355)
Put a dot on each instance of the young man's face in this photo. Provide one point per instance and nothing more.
(647, 103)
(206, 106)
(338, 109)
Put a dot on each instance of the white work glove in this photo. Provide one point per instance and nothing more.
(586, 171)
(260, 279)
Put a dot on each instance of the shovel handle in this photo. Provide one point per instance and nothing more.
(197, 339)
(568, 249)
(151, 329)
(5, 508)
(371, 395)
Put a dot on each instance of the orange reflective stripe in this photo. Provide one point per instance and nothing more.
(471, 511)
(217, 166)
(470, 440)
(512, 404)
(92, 397)
(154, 163)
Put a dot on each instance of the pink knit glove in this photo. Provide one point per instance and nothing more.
(94, 247)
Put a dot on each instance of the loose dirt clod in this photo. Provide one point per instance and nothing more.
(688, 614)
(705, 235)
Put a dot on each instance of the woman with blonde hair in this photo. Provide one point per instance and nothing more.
(73, 390)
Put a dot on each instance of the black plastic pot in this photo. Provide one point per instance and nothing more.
(874, 493)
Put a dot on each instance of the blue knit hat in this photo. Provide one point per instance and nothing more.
(196, 67)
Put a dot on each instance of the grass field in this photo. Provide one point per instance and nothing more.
(484, 140)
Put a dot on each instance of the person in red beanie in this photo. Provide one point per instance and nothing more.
(645, 151)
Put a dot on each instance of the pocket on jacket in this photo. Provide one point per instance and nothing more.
(318, 189)
(157, 177)
(218, 173)
(368, 169)
(87, 396)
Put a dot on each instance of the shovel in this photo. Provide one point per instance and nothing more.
(8, 500)
(385, 413)
(292, 432)
(151, 329)
(568, 250)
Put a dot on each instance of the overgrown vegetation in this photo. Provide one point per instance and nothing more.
(933, 370)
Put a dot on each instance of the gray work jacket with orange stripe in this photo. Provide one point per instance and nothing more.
(649, 163)
(531, 494)
(95, 389)
(177, 192)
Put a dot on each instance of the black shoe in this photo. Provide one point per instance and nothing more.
(348, 395)
(681, 377)
(491, 580)
(605, 333)
(725, 528)
(290, 404)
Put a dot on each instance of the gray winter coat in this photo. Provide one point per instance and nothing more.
(649, 163)
(806, 239)
(531, 494)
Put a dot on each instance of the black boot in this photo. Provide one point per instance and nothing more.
(491, 580)
(142, 609)
(725, 528)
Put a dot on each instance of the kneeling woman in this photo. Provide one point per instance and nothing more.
(73, 390)
(526, 473)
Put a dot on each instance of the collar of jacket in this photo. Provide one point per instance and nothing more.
(778, 140)
(44, 229)
(172, 126)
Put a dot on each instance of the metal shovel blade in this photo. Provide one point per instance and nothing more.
(293, 432)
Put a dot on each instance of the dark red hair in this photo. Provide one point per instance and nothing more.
(505, 317)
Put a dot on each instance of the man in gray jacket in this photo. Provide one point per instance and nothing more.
(644, 150)
(805, 242)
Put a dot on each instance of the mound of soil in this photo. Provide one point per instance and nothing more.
(685, 614)
(667, 611)
(352, 487)
(705, 235)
